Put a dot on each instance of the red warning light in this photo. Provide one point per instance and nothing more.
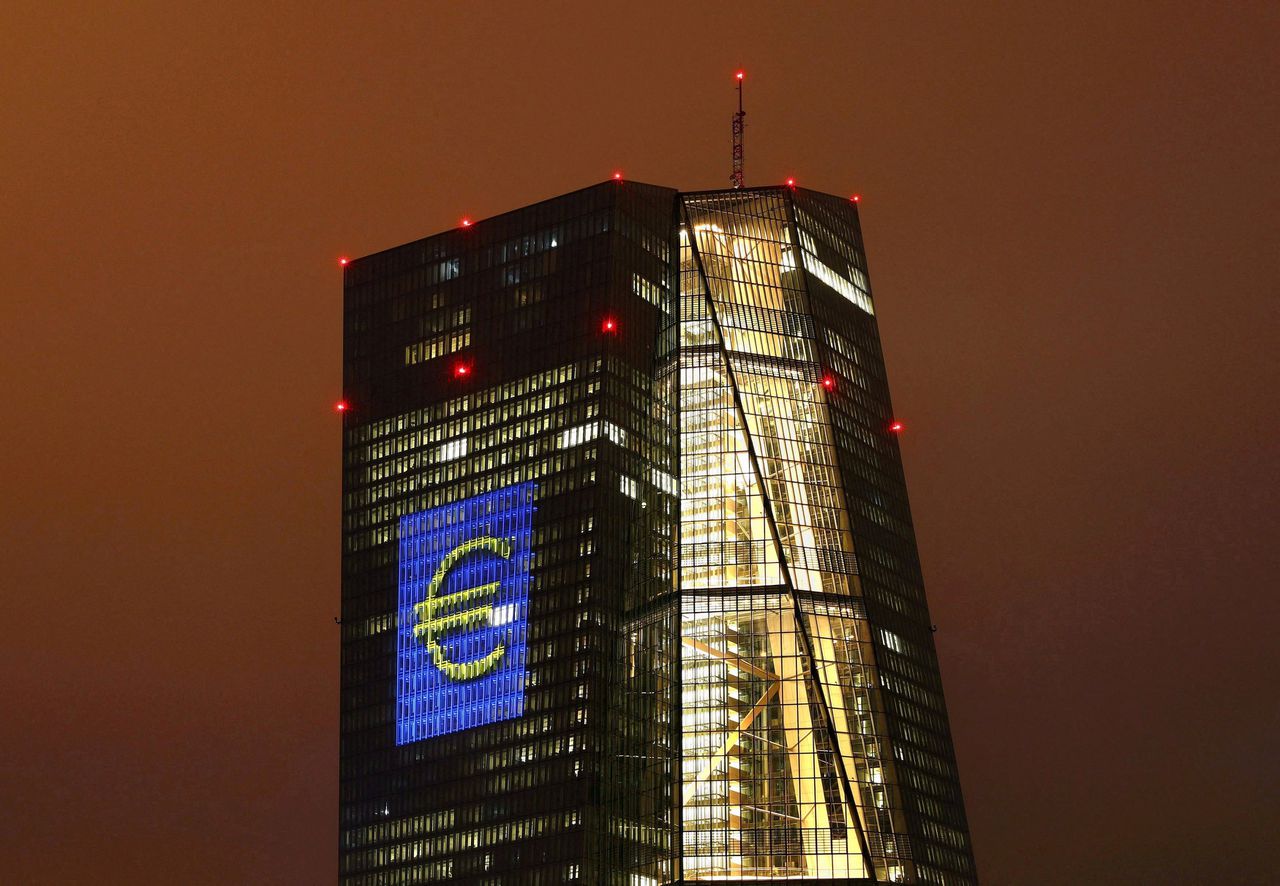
(466, 222)
(791, 183)
(856, 198)
(344, 261)
(617, 176)
(828, 382)
(896, 427)
(461, 370)
(741, 74)
(340, 406)
(609, 325)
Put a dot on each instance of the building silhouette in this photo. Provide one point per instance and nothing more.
(630, 590)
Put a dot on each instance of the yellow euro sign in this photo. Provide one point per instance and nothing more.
(440, 613)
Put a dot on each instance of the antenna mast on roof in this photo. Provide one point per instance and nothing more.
(739, 124)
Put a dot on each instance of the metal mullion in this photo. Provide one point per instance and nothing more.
(789, 580)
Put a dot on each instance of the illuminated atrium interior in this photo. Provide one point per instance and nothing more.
(784, 768)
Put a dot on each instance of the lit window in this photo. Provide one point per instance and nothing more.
(663, 481)
(580, 434)
(892, 640)
(576, 436)
(453, 449)
(503, 614)
(646, 290)
(850, 290)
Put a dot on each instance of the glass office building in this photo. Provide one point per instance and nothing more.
(630, 588)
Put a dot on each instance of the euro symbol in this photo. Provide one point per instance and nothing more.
(440, 613)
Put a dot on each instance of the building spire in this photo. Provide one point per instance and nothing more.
(739, 124)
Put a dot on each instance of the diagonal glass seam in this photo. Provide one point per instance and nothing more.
(821, 345)
(770, 520)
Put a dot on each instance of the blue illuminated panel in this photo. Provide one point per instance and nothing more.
(463, 615)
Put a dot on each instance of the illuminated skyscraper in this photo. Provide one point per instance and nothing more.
(630, 588)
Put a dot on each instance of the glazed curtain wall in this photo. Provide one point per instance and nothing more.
(787, 771)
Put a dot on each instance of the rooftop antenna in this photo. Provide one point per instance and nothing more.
(739, 124)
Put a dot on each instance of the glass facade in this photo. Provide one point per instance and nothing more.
(804, 743)
(508, 484)
(630, 588)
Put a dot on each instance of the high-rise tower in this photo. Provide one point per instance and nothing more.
(630, 588)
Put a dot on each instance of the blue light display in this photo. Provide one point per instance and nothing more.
(463, 614)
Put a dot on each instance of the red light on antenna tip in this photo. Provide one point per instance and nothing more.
(461, 370)
(741, 74)
(340, 406)
(609, 325)
(896, 427)
(466, 222)
(791, 183)
(856, 198)
(344, 261)
(617, 176)
(828, 382)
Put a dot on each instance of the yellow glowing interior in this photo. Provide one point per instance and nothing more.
(779, 680)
